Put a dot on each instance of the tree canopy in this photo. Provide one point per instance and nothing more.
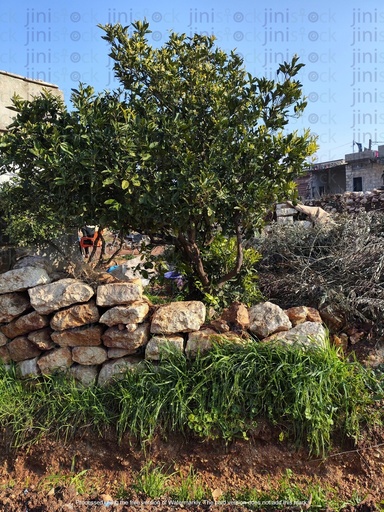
(189, 148)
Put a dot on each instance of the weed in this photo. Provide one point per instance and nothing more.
(190, 488)
(78, 481)
(151, 482)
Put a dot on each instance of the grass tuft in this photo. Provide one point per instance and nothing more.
(310, 394)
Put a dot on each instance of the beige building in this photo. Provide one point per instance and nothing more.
(357, 172)
(26, 88)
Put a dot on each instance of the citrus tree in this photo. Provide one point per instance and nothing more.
(191, 147)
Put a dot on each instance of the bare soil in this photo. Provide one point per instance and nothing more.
(42, 478)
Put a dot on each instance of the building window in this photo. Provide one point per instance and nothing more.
(321, 191)
(357, 184)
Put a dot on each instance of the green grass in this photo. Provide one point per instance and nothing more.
(157, 484)
(310, 395)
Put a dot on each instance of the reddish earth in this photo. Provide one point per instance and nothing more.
(34, 480)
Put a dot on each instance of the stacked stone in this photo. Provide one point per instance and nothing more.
(350, 202)
(98, 334)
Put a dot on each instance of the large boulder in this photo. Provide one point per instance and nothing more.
(268, 318)
(59, 359)
(24, 324)
(22, 279)
(89, 355)
(297, 314)
(178, 317)
(5, 358)
(85, 336)
(60, 294)
(21, 349)
(236, 316)
(199, 342)
(307, 334)
(28, 368)
(123, 338)
(134, 313)
(116, 369)
(85, 375)
(34, 261)
(3, 339)
(75, 316)
(42, 338)
(13, 305)
(157, 345)
(113, 294)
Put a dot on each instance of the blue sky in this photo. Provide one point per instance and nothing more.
(341, 45)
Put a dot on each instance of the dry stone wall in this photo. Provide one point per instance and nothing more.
(351, 202)
(97, 333)
(348, 202)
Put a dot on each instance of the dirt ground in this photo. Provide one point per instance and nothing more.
(34, 480)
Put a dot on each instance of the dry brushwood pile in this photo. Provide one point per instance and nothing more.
(338, 267)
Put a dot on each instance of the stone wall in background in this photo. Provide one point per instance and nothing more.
(348, 202)
(351, 202)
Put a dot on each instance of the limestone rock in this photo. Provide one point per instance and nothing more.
(116, 369)
(75, 316)
(85, 336)
(219, 325)
(115, 353)
(22, 279)
(297, 315)
(13, 305)
(157, 346)
(3, 339)
(60, 294)
(42, 338)
(313, 316)
(116, 338)
(113, 294)
(333, 320)
(34, 261)
(85, 375)
(25, 324)
(57, 359)
(178, 317)
(307, 334)
(199, 341)
(268, 318)
(134, 313)
(89, 355)
(28, 368)
(236, 316)
(4, 355)
(21, 349)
